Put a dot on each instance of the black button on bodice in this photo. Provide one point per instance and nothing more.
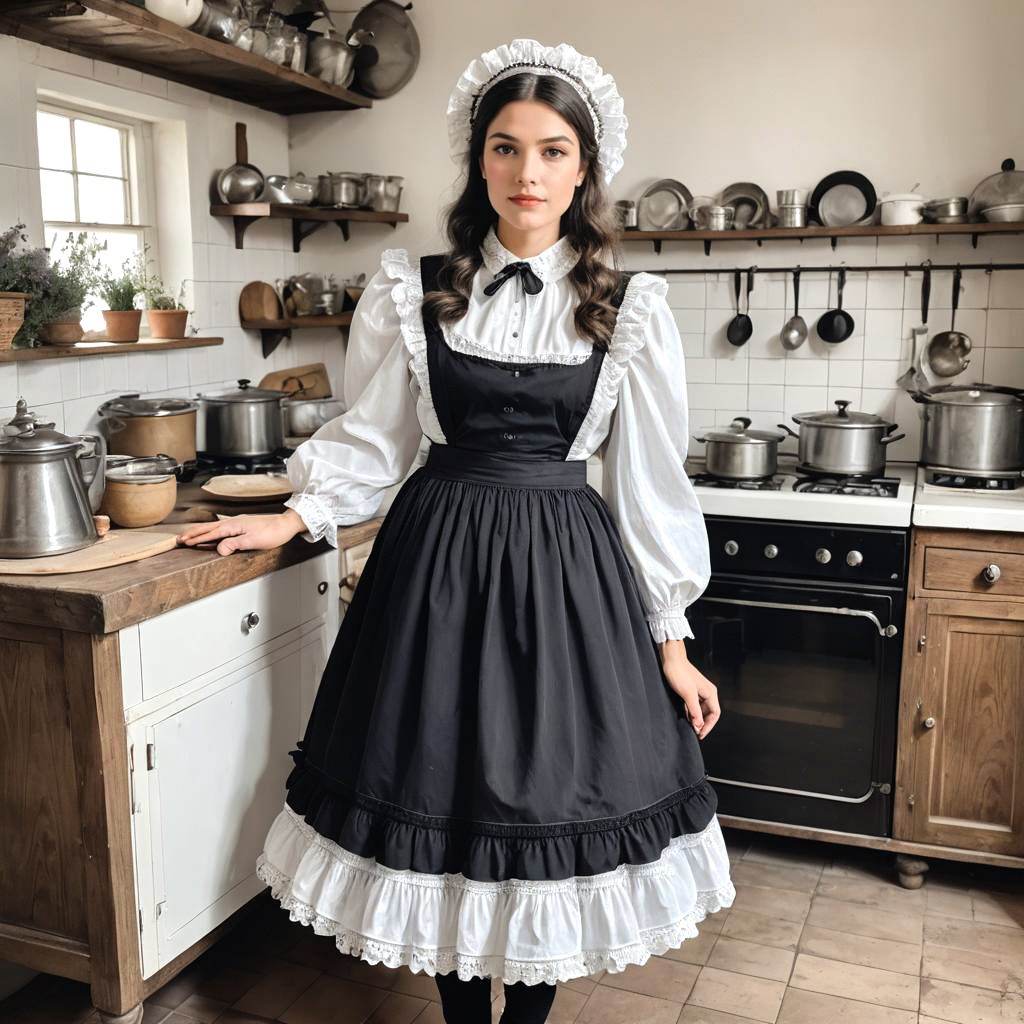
(509, 436)
(510, 408)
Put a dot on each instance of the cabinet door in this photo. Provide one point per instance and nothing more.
(216, 766)
(964, 710)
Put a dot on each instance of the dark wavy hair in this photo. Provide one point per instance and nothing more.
(589, 222)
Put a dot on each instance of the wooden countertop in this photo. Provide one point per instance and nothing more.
(106, 600)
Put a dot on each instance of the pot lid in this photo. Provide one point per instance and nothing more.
(974, 395)
(133, 405)
(146, 469)
(1007, 186)
(245, 392)
(842, 418)
(24, 435)
(739, 432)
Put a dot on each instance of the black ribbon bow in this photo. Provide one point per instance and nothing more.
(531, 282)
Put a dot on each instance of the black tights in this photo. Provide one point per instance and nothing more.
(469, 1002)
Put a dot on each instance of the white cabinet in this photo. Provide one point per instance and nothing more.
(212, 712)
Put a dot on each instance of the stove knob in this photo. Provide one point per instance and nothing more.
(770, 551)
(854, 558)
(731, 547)
(823, 555)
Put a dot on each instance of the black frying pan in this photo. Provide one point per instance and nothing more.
(835, 325)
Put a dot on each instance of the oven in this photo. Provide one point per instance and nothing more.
(801, 630)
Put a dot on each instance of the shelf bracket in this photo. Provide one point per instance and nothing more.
(760, 242)
(241, 226)
(707, 246)
(302, 229)
(833, 241)
(974, 241)
(343, 226)
(271, 337)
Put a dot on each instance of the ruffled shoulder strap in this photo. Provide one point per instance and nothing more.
(407, 295)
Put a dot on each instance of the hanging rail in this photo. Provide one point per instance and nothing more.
(907, 268)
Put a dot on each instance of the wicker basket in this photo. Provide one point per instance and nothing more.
(12, 316)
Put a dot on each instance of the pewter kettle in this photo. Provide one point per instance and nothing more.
(44, 480)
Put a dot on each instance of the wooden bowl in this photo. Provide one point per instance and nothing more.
(135, 503)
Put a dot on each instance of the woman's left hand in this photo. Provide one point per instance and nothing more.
(697, 691)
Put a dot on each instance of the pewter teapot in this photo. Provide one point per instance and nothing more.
(44, 480)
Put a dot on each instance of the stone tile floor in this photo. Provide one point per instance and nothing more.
(818, 933)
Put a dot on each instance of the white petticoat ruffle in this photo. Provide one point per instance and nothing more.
(529, 931)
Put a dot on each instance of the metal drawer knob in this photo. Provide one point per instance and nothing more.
(823, 555)
(251, 621)
(929, 722)
(731, 547)
(854, 558)
(321, 587)
(991, 573)
(770, 551)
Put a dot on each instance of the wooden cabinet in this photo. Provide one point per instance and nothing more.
(960, 766)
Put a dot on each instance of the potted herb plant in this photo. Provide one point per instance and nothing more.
(118, 291)
(167, 315)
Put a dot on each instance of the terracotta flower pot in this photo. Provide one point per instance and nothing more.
(167, 323)
(65, 330)
(122, 325)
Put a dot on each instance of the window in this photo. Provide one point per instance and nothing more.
(89, 176)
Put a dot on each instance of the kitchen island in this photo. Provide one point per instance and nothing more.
(147, 714)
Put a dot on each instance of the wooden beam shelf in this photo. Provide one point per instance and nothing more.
(272, 332)
(103, 348)
(305, 219)
(760, 235)
(121, 33)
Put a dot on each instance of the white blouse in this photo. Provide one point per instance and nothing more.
(637, 420)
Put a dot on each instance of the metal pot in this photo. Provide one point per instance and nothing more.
(244, 422)
(973, 428)
(842, 442)
(332, 59)
(44, 501)
(739, 453)
(304, 416)
(151, 426)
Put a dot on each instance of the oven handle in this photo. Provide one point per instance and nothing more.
(881, 786)
(886, 631)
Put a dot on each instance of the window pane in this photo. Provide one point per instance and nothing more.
(54, 140)
(98, 148)
(58, 190)
(100, 200)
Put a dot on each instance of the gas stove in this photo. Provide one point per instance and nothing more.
(961, 501)
(794, 493)
(206, 466)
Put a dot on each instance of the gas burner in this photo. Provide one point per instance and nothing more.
(207, 466)
(863, 484)
(766, 483)
(967, 481)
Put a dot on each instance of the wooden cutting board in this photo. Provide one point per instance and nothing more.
(312, 379)
(259, 301)
(113, 548)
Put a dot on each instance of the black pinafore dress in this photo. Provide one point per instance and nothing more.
(496, 777)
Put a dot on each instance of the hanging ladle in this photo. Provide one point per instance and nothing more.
(947, 350)
(741, 327)
(835, 325)
(794, 333)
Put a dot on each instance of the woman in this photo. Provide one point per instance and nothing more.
(501, 775)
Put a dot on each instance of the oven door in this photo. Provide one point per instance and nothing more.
(808, 681)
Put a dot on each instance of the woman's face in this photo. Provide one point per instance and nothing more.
(531, 150)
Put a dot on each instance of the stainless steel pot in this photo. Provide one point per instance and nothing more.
(842, 442)
(44, 501)
(739, 453)
(304, 416)
(974, 428)
(243, 422)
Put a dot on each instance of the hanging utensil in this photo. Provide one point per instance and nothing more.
(242, 182)
(912, 378)
(835, 325)
(741, 327)
(794, 333)
(947, 350)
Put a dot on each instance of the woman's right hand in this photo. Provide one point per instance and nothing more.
(245, 532)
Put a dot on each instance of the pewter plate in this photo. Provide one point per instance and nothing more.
(664, 206)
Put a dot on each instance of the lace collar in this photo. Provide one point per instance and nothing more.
(553, 263)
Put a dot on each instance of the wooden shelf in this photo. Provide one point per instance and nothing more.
(103, 348)
(815, 231)
(305, 219)
(121, 33)
(273, 331)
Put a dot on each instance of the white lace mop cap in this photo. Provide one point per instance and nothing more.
(583, 73)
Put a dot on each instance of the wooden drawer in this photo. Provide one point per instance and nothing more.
(961, 570)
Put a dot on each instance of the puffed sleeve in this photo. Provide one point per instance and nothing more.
(643, 480)
(340, 474)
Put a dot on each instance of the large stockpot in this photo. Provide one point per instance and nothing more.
(974, 428)
(151, 426)
(245, 422)
(303, 417)
(842, 442)
(44, 500)
(739, 453)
